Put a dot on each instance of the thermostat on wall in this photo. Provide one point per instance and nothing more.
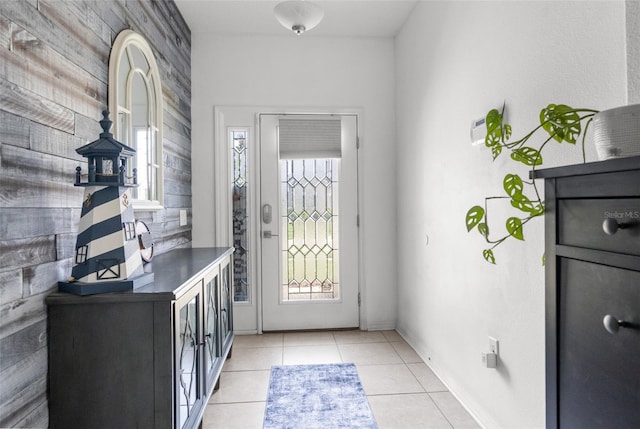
(478, 131)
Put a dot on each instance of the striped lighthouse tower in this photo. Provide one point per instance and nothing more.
(108, 255)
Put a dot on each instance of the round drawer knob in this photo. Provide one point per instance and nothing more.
(610, 226)
(612, 324)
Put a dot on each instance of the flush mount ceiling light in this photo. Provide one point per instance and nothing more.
(298, 15)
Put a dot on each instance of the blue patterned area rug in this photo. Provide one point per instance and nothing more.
(317, 396)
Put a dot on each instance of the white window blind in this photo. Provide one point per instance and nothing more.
(310, 138)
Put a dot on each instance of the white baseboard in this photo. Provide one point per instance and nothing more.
(245, 332)
(381, 326)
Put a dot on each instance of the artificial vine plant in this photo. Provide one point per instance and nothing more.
(562, 124)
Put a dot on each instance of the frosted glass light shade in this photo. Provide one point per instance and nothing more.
(298, 15)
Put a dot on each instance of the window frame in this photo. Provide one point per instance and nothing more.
(117, 106)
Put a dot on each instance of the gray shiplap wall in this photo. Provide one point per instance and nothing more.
(54, 59)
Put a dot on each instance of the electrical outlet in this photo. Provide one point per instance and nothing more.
(489, 360)
(493, 345)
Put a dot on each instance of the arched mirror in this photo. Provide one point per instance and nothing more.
(135, 102)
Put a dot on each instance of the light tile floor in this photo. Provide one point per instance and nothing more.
(402, 391)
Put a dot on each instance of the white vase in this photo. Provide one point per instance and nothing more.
(617, 132)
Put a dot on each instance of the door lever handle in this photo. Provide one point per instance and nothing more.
(268, 234)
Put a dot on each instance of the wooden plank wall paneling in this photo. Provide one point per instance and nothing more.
(53, 87)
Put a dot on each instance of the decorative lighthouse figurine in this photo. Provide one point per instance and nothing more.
(108, 255)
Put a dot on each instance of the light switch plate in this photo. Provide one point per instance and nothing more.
(183, 217)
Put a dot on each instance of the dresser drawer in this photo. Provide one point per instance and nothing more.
(580, 223)
(598, 375)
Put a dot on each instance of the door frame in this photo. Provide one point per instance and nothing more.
(248, 316)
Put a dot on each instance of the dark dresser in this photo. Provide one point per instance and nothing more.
(592, 233)
(149, 358)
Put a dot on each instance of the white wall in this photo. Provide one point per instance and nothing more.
(454, 62)
(309, 73)
(633, 50)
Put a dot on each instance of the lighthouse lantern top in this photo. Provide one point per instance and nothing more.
(107, 159)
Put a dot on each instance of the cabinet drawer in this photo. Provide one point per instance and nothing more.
(580, 223)
(598, 376)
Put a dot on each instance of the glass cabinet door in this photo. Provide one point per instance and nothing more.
(188, 360)
(226, 303)
(211, 337)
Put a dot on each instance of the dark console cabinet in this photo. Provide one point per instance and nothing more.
(143, 359)
(593, 294)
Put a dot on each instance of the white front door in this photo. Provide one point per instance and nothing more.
(309, 234)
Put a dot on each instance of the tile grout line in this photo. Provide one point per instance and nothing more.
(441, 412)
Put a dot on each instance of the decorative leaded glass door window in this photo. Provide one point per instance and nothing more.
(309, 195)
(240, 216)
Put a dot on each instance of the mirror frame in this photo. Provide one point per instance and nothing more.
(122, 42)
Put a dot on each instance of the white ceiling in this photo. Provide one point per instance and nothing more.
(342, 18)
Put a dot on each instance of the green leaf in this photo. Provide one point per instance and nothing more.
(534, 208)
(506, 131)
(483, 229)
(491, 140)
(493, 121)
(514, 227)
(561, 122)
(474, 216)
(524, 204)
(496, 151)
(513, 185)
(497, 132)
(538, 209)
(527, 155)
(488, 256)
